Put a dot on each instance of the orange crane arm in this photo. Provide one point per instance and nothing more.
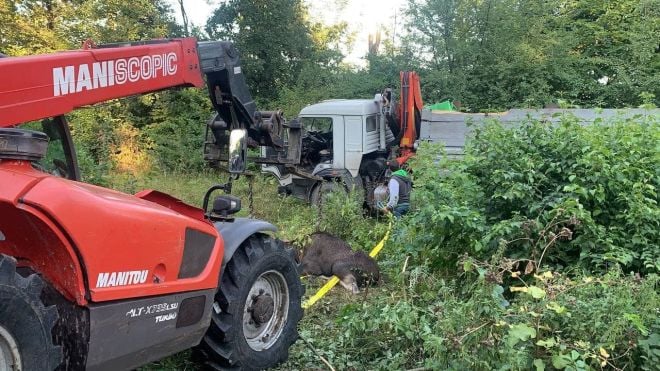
(410, 108)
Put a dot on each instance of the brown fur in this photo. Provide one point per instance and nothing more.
(329, 255)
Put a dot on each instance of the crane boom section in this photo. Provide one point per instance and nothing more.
(48, 85)
(411, 105)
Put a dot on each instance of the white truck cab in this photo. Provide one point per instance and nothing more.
(343, 140)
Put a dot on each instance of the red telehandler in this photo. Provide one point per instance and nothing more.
(95, 279)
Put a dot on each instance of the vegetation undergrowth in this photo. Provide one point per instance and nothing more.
(537, 250)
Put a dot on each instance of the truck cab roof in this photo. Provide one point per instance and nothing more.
(357, 107)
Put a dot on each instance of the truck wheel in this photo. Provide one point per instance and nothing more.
(257, 308)
(26, 342)
(323, 190)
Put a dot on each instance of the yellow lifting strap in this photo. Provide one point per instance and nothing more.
(334, 280)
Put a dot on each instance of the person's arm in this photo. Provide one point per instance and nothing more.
(394, 194)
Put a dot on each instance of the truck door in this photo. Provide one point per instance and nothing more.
(353, 139)
(338, 142)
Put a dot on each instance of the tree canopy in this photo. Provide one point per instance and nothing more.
(276, 41)
(523, 53)
(489, 55)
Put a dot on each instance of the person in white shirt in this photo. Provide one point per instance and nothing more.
(399, 187)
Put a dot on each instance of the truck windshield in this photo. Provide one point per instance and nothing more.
(317, 124)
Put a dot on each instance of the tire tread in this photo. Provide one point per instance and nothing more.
(28, 289)
(218, 344)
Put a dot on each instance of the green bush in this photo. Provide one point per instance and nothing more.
(516, 255)
(501, 265)
(567, 195)
(605, 175)
(93, 132)
(541, 321)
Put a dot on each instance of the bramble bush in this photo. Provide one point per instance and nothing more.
(596, 187)
(605, 175)
(548, 321)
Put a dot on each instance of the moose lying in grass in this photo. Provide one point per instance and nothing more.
(328, 255)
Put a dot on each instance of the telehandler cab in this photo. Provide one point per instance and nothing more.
(91, 278)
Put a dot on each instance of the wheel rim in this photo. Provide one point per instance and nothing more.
(266, 310)
(10, 357)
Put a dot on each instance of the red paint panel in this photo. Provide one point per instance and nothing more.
(31, 237)
(125, 235)
(171, 203)
(36, 242)
(15, 178)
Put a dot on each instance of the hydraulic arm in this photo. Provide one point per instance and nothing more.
(51, 85)
(410, 113)
(404, 118)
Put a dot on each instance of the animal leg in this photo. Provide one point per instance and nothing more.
(311, 267)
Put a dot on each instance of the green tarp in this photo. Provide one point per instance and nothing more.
(442, 106)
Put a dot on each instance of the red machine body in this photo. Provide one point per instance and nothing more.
(61, 221)
(90, 228)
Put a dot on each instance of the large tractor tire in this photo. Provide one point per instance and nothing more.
(257, 308)
(26, 341)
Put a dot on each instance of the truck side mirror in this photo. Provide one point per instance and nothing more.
(237, 151)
